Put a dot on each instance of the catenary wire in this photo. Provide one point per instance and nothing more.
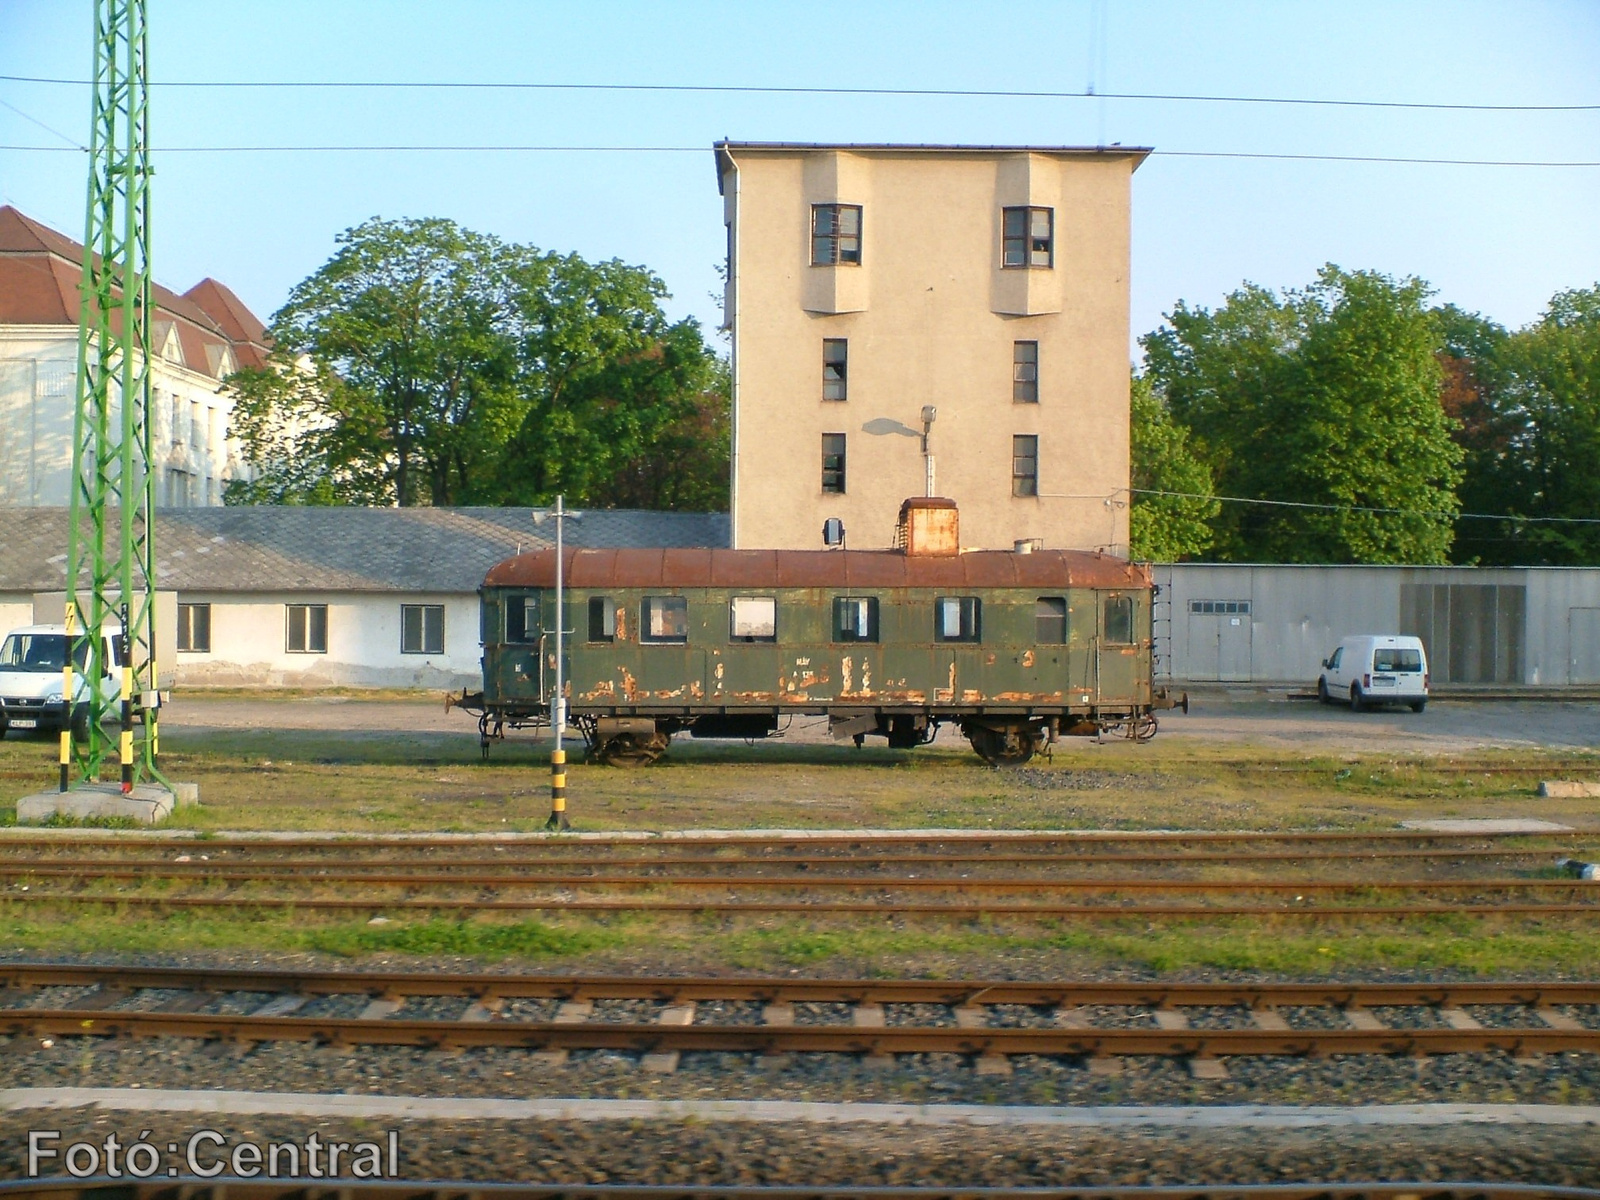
(1112, 149)
(782, 90)
(1409, 512)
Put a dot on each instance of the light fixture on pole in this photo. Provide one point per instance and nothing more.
(558, 701)
(929, 412)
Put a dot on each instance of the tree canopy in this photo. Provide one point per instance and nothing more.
(427, 364)
(1171, 510)
(1324, 402)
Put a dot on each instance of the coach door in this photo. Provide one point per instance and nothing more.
(1117, 655)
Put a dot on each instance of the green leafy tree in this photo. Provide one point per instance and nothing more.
(426, 364)
(1329, 396)
(1172, 509)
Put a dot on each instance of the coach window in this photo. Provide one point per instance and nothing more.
(664, 619)
(308, 629)
(422, 629)
(1050, 620)
(522, 619)
(1119, 620)
(956, 619)
(602, 619)
(855, 619)
(753, 618)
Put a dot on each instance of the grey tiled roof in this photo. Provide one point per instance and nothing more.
(268, 548)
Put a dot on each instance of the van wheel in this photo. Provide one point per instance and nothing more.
(1357, 702)
(1322, 691)
(1418, 705)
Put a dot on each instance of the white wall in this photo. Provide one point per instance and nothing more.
(249, 632)
(38, 393)
(16, 610)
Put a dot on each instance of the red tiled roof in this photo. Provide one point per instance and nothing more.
(40, 271)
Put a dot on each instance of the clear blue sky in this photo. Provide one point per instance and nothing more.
(1497, 240)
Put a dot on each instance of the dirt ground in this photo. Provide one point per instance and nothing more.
(1248, 717)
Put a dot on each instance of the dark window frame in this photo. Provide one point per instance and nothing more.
(678, 604)
(844, 634)
(1052, 626)
(1021, 249)
(969, 620)
(194, 618)
(1121, 604)
(835, 457)
(1025, 481)
(602, 620)
(424, 644)
(835, 369)
(1025, 372)
(830, 245)
(311, 616)
(519, 632)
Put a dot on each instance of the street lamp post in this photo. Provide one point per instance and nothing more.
(929, 412)
(558, 702)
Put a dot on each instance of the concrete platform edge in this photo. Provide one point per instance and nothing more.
(770, 1111)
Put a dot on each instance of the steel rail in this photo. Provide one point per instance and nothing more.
(301, 1188)
(202, 872)
(13, 867)
(796, 840)
(780, 1039)
(667, 989)
(810, 908)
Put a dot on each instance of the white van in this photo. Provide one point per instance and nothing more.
(1373, 669)
(31, 659)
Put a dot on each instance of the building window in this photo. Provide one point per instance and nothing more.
(522, 619)
(955, 619)
(1025, 372)
(664, 619)
(855, 619)
(422, 629)
(753, 618)
(833, 463)
(602, 619)
(1050, 620)
(835, 234)
(1029, 237)
(308, 629)
(1025, 465)
(1119, 620)
(835, 352)
(194, 628)
(1219, 606)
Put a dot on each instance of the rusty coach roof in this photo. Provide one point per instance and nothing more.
(675, 568)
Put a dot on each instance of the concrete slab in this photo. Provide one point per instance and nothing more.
(1568, 789)
(1488, 825)
(146, 804)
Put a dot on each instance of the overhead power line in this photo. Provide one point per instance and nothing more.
(1361, 508)
(780, 90)
(510, 149)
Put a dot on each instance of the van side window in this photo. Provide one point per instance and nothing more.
(664, 619)
(1399, 661)
(1333, 663)
(1119, 620)
(602, 619)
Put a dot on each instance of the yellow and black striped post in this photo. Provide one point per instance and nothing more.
(558, 790)
(66, 701)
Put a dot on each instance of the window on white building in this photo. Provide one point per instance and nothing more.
(422, 629)
(307, 629)
(194, 628)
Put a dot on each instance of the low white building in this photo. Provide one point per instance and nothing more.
(197, 340)
(312, 597)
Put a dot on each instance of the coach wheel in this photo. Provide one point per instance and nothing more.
(1009, 747)
(633, 749)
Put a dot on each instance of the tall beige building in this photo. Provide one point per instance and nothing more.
(866, 283)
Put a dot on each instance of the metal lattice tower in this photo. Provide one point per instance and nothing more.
(110, 552)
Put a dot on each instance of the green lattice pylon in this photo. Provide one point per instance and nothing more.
(110, 549)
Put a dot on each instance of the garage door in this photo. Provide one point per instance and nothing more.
(1219, 641)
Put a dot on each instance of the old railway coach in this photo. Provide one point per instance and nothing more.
(1013, 647)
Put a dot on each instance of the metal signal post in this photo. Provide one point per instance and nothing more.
(558, 701)
(110, 551)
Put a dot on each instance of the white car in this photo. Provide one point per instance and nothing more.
(31, 659)
(1373, 668)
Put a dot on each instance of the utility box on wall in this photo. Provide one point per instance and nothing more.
(50, 608)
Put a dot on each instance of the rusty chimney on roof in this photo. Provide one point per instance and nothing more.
(929, 526)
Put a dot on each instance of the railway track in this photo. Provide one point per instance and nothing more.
(661, 1018)
(346, 1189)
